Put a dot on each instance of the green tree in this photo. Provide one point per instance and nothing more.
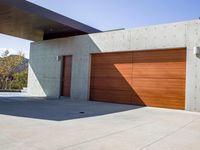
(8, 70)
(20, 80)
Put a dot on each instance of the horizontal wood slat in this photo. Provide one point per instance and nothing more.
(115, 96)
(111, 83)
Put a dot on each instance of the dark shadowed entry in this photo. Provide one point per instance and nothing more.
(66, 76)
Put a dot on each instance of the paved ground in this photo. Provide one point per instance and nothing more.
(13, 94)
(36, 124)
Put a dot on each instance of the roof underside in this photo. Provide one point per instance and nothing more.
(25, 20)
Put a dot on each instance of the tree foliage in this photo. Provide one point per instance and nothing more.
(10, 77)
(20, 80)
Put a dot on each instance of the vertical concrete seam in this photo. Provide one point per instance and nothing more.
(89, 76)
(130, 38)
(187, 104)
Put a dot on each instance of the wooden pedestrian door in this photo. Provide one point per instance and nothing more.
(148, 78)
(66, 76)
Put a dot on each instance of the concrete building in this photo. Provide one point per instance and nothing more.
(45, 72)
(155, 66)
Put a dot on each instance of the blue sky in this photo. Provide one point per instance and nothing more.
(113, 14)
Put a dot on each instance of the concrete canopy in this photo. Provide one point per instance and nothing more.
(25, 20)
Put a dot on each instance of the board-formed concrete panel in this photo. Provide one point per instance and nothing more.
(163, 36)
(193, 67)
(43, 57)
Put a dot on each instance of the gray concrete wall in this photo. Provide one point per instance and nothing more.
(45, 70)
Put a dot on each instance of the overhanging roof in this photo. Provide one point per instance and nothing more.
(26, 20)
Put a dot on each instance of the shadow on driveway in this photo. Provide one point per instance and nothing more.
(57, 110)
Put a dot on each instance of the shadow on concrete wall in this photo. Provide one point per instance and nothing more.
(43, 68)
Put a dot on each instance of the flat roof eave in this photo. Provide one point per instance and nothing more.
(26, 20)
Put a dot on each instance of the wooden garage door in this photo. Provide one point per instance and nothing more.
(66, 77)
(148, 78)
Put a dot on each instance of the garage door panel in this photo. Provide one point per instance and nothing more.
(175, 104)
(113, 96)
(147, 78)
(111, 72)
(159, 70)
(171, 55)
(158, 84)
(112, 58)
(171, 97)
(112, 65)
(111, 83)
(164, 104)
(150, 98)
(160, 88)
(137, 100)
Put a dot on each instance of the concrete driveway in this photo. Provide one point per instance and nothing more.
(36, 124)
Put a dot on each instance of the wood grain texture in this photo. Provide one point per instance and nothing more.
(66, 78)
(149, 78)
(107, 83)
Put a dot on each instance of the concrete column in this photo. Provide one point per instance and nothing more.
(80, 77)
(193, 67)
